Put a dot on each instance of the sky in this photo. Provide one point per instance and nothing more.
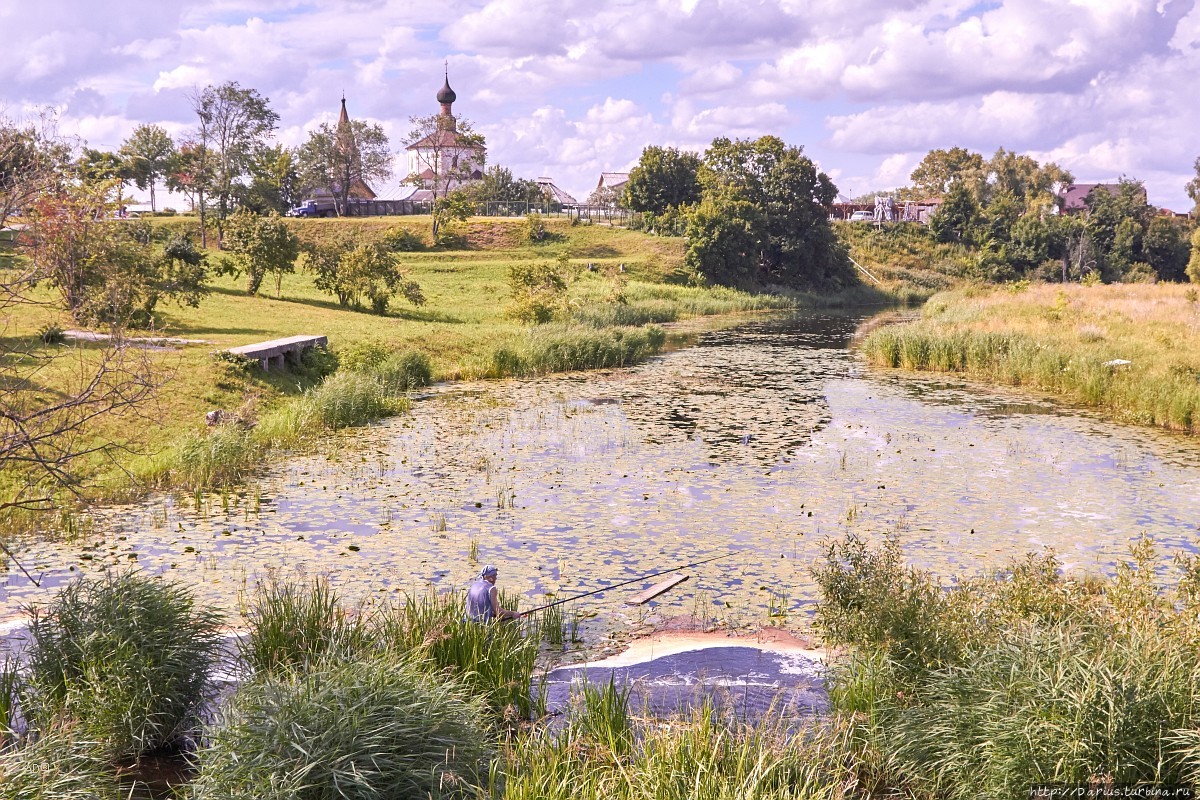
(569, 88)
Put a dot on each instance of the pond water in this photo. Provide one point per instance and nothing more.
(764, 439)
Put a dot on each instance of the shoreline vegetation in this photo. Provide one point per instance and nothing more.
(1031, 674)
(1132, 351)
(620, 287)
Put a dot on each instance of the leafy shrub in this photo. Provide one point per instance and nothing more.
(533, 229)
(126, 658)
(294, 626)
(235, 362)
(402, 240)
(316, 363)
(404, 371)
(363, 355)
(539, 292)
(366, 274)
(262, 246)
(374, 728)
(51, 333)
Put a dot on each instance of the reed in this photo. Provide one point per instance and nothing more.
(496, 660)
(1067, 341)
(60, 765)
(294, 626)
(126, 659)
(701, 756)
(378, 727)
(1028, 676)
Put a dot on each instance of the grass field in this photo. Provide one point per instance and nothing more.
(1067, 340)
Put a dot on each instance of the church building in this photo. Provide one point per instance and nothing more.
(444, 160)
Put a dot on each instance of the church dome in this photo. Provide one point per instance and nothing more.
(446, 94)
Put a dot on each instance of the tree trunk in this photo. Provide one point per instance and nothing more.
(203, 228)
(153, 205)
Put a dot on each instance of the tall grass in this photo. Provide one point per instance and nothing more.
(126, 659)
(293, 626)
(373, 728)
(1026, 677)
(497, 661)
(698, 757)
(60, 765)
(563, 348)
(1063, 341)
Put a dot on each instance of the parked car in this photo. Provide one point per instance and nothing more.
(862, 216)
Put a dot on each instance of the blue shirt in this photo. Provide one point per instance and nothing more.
(479, 601)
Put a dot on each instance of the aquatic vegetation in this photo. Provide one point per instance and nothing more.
(700, 756)
(59, 765)
(378, 727)
(1023, 677)
(296, 624)
(1129, 350)
(125, 658)
(496, 661)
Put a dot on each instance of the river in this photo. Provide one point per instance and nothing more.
(766, 438)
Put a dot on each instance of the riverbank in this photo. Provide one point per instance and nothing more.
(1130, 350)
(622, 285)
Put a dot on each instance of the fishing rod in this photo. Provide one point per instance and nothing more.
(626, 583)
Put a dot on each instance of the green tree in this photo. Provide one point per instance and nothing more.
(148, 153)
(1193, 186)
(1117, 223)
(1022, 177)
(940, 170)
(664, 178)
(957, 218)
(796, 245)
(1193, 267)
(102, 168)
(499, 186)
(262, 246)
(191, 173)
(360, 274)
(340, 157)
(1165, 248)
(1029, 243)
(723, 236)
(274, 181)
(33, 162)
(234, 126)
(109, 271)
(448, 212)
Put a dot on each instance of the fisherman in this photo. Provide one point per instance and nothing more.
(483, 598)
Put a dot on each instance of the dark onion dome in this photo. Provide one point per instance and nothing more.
(446, 94)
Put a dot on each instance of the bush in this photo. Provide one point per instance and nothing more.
(539, 293)
(51, 333)
(293, 627)
(533, 229)
(363, 356)
(402, 240)
(126, 658)
(562, 349)
(316, 363)
(346, 399)
(378, 728)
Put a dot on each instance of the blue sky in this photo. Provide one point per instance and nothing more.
(570, 88)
